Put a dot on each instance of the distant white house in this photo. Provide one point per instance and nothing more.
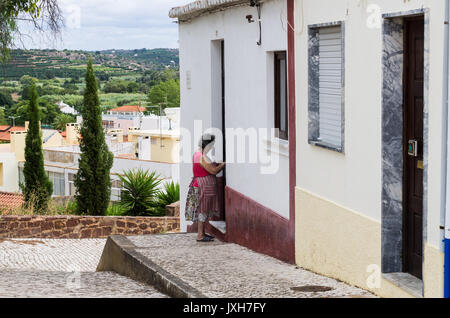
(126, 117)
(66, 109)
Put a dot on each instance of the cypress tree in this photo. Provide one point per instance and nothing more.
(92, 180)
(38, 188)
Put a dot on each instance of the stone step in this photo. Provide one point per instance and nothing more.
(219, 225)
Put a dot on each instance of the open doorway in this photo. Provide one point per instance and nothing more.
(218, 118)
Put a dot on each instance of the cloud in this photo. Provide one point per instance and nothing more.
(118, 24)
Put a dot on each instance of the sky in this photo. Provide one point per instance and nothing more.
(111, 24)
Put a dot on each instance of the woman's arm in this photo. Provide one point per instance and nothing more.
(211, 167)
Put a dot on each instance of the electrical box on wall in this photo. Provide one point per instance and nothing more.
(188, 80)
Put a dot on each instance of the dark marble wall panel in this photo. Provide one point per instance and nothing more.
(313, 72)
(392, 146)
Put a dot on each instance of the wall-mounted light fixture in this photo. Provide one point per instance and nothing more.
(257, 4)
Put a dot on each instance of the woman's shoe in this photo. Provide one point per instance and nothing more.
(212, 237)
(206, 239)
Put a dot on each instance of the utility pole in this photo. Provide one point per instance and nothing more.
(14, 119)
(140, 114)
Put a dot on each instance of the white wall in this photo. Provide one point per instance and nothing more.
(10, 172)
(354, 180)
(145, 149)
(153, 122)
(165, 170)
(248, 75)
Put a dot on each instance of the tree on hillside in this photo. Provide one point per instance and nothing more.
(20, 111)
(27, 82)
(38, 188)
(92, 180)
(3, 119)
(116, 86)
(169, 89)
(42, 15)
(5, 100)
(49, 111)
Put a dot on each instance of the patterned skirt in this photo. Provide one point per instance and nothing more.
(201, 203)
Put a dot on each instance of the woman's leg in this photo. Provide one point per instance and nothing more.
(201, 230)
(204, 227)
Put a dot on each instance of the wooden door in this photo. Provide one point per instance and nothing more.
(413, 146)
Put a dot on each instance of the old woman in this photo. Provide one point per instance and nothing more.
(202, 202)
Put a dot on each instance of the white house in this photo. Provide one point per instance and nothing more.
(66, 109)
(372, 103)
(359, 91)
(234, 78)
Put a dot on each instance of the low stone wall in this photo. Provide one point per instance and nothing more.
(76, 227)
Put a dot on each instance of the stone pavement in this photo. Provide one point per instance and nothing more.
(61, 268)
(229, 270)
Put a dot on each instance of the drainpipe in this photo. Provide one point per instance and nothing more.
(446, 147)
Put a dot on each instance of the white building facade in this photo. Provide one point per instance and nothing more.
(234, 77)
(370, 195)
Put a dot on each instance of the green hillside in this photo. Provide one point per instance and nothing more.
(48, 64)
(145, 77)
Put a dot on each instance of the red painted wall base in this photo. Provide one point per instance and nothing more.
(254, 226)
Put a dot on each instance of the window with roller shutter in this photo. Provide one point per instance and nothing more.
(327, 87)
(330, 89)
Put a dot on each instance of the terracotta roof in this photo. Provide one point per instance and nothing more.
(4, 127)
(10, 200)
(127, 156)
(128, 109)
(17, 128)
(6, 136)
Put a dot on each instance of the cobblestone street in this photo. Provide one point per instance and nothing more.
(61, 268)
(230, 270)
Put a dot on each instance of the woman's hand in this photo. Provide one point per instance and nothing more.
(221, 166)
(212, 168)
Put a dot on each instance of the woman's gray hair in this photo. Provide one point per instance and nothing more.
(206, 140)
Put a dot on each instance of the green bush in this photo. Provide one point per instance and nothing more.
(169, 195)
(70, 208)
(116, 209)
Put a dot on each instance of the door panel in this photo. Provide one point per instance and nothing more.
(413, 131)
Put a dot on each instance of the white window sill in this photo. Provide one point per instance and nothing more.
(276, 145)
(325, 145)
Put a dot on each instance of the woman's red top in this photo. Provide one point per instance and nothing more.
(197, 168)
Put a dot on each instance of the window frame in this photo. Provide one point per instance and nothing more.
(313, 83)
(281, 134)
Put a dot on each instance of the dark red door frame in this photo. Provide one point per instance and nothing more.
(292, 125)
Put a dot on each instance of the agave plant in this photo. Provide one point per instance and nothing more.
(140, 192)
(171, 194)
